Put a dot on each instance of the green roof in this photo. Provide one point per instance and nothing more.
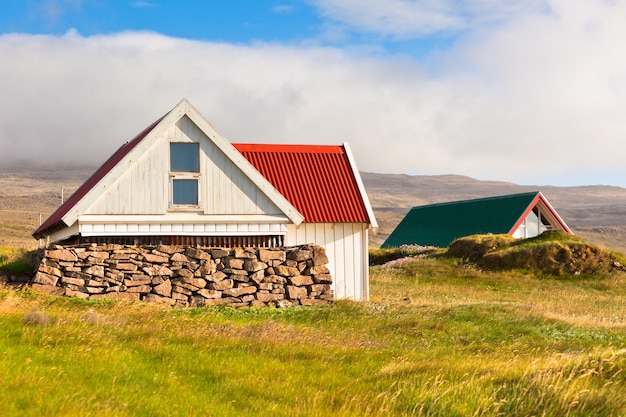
(440, 224)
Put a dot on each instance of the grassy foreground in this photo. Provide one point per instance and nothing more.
(439, 338)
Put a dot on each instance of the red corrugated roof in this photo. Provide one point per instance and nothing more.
(316, 179)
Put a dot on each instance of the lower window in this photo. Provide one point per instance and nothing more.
(185, 192)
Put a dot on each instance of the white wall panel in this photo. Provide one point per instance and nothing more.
(144, 187)
(345, 248)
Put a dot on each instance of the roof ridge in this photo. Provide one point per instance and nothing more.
(287, 148)
(471, 200)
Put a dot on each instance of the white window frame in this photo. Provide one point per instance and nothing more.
(174, 175)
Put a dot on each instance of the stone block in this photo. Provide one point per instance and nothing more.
(238, 292)
(296, 293)
(170, 250)
(48, 289)
(197, 301)
(93, 290)
(99, 255)
(219, 253)
(155, 259)
(316, 270)
(266, 297)
(275, 279)
(179, 296)
(140, 289)
(126, 267)
(197, 253)
(245, 253)
(79, 294)
(157, 280)
(197, 283)
(247, 299)
(45, 279)
(185, 273)
(233, 263)
(217, 276)
(206, 293)
(240, 278)
(319, 287)
(258, 276)
(267, 255)
(253, 265)
(286, 271)
(164, 288)
(207, 268)
(49, 270)
(62, 255)
(300, 280)
(322, 279)
(299, 254)
(159, 270)
(154, 298)
(320, 258)
(95, 283)
(179, 257)
(221, 285)
(96, 271)
(136, 283)
(231, 271)
(180, 290)
(73, 281)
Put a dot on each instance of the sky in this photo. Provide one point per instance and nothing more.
(531, 92)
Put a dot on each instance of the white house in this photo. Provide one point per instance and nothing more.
(182, 182)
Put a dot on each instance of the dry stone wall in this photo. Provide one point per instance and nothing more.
(188, 276)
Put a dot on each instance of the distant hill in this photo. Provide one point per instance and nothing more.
(597, 213)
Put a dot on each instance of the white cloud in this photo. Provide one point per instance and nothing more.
(539, 99)
(53, 10)
(283, 8)
(417, 18)
(142, 4)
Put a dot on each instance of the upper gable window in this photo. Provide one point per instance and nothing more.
(184, 157)
(184, 175)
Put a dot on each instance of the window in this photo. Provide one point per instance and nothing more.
(184, 157)
(184, 174)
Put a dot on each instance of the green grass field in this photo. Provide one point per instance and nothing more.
(438, 338)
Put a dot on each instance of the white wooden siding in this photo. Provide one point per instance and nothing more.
(189, 229)
(346, 248)
(143, 189)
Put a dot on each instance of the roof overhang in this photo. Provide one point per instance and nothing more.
(547, 209)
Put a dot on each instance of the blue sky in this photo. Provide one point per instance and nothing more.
(530, 92)
(290, 22)
(231, 21)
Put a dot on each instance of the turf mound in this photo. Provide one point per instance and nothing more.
(476, 247)
(552, 252)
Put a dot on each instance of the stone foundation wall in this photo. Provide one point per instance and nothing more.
(187, 276)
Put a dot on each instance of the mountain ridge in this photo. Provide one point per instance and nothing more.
(596, 212)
